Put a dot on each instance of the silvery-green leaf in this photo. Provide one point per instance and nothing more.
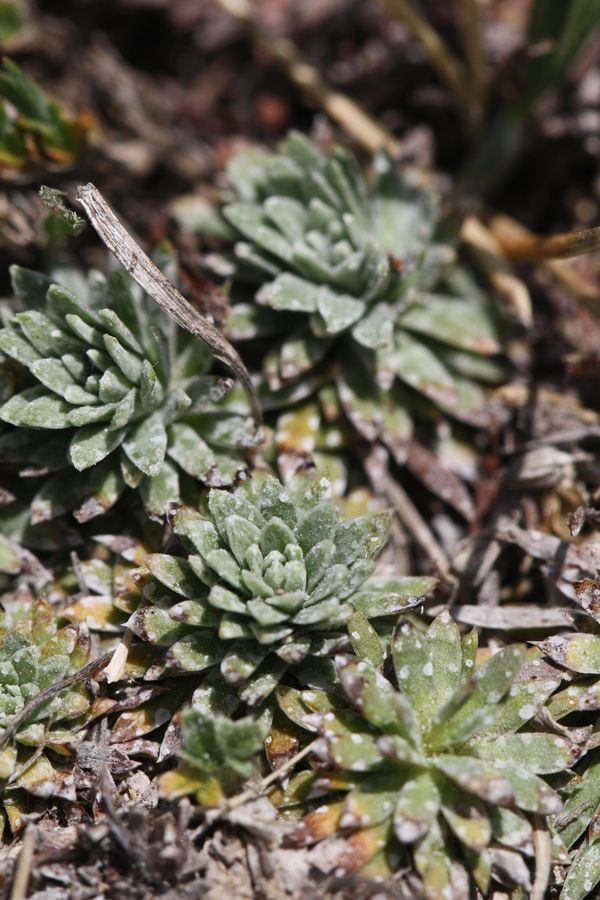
(189, 451)
(44, 335)
(28, 285)
(317, 561)
(241, 661)
(129, 364)
(466, 817)
(275, 535)
(35, 408)
(365, 641)
(241, 534)
(86, 415)
(462, 323)
(584, 872)
(188, 523)
(263, 682)
(113, 385)
(226, 600)
(65, 303)
(92, 443)
(174, 573)
(419, 367)
(223, 504)
(288, 292)
(328, 610)
(538, 752)
(376, 328)
(86, 333)
(124, 411)
(13, 345)
(288, 215)
(119, 329)
(416, 808)
(404, 214)
(338, 311)
(299, 353)
(146, 444)
(247, 321)
(160, 491)
(195, 652)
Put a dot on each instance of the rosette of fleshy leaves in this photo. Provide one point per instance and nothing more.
(442, 760)
(271, 579)
(354, 279)
(35, 129)
(119, 393)
(218, 755)
(36, 654)
(578, 825)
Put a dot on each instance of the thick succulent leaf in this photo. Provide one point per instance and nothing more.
(290, 293)
(365, 640)
(92, 443)
(475, 706)
(466, 817)
(176, 574)
(354, 750)
(462, 323)
(445, 653)
(404, 215)
(541, 753)
(195, 652)
(392, 596)
(146, 444)
(36, 408)
(579, 652)
(375, 699)
(584, 872)
(580, 805)
(189, 451)
(480, 778)
(434, 865)
(417, 807)
(373, 801)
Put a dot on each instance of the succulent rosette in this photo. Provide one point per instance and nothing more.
(118, 393)
(271, 580)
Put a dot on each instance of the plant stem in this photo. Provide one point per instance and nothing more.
(268, 780)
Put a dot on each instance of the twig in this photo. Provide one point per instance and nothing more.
(268, 780)
(355, 120)
(407, 512)
(151, 279)
(543, 858)
(448, 66)
(87, 672)
(521, 245)
(23, 866)
(488, 252)
(116, 667)
(471, 29)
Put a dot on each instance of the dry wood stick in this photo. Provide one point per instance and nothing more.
(151, 279)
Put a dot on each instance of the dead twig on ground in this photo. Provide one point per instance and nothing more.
(151, 279)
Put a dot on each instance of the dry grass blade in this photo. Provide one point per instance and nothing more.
(472, 39)
(268, 780)
(521, 245)
(151, 279)
(407, 512)
(543, 858)
(448, 66)
(23, 867)
(356, 121)
(489, 256)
